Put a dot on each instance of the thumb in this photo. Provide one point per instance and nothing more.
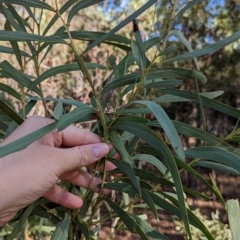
(80, 156)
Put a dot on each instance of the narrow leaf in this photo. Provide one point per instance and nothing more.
(207, 50)
(148, 229)
(122, 24)
(23, 142)
(233, 211)
(80, 114)
(127, 169)
(167, 126)
(81, 5)
(163, 84)
(66, 101)
(162, 203)
(189, 5)
(18, 76)
(9, 50)
(22, 220)
(231, 111)
(190, 131)
(185, 42)
(24, 36)
(147, 199)
(61, 69)
(58, 111)
(124, 216)
(61, 231)
(217, 154)
(217, 166)
(152, 160)
(29, 3)
(156, 142)
(115, 139)
(166, 72)
(84, 229)
(6, 89)
(10, 112)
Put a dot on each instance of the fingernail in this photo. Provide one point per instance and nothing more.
(100, 150)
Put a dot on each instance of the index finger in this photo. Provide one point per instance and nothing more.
(73, 136)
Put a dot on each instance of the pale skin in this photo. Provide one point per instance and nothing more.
(33, 172)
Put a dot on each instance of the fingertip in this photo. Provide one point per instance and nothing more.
(100, 150)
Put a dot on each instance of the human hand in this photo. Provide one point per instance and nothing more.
(33, 172)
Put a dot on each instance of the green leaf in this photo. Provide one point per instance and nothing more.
(13, 125)
(122, 24)
(115, 140)
(24, 36)
(61, 231)
(136, 119)
(168, 50)
(58, 111)
(9, 50)
(189, 5)
(127, 169)
(167, 126)
(18, 76)
(163, 84)
(81, 5)
(152, 160)
(66, 101)
(21, 22)
(46, 44)
(30, 3)
(162, 203)
(142, 234)
(91, 36)
(207, 50)
(22, 220)
(133, 111)
(166, 72)
(23, 142)
(140, 46)
(88, 198)
(84, 229)
(6, 89)
(217, 154)
(80, 114)
(4, 117)
(3, 126)
(124, 216)
(148, 229)
(147, 199)
(231, 111)
(61, 69)
(10, 112)
(121, 187)
(150, 176)
(9, 19)
(156, 142)
(217, 166)
(200, 177)
(137, 56)
(233, 211)
(128, 60)
(14, 44)
(185, 42)
(190, 131)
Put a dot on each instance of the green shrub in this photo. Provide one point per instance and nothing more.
(124, 122)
